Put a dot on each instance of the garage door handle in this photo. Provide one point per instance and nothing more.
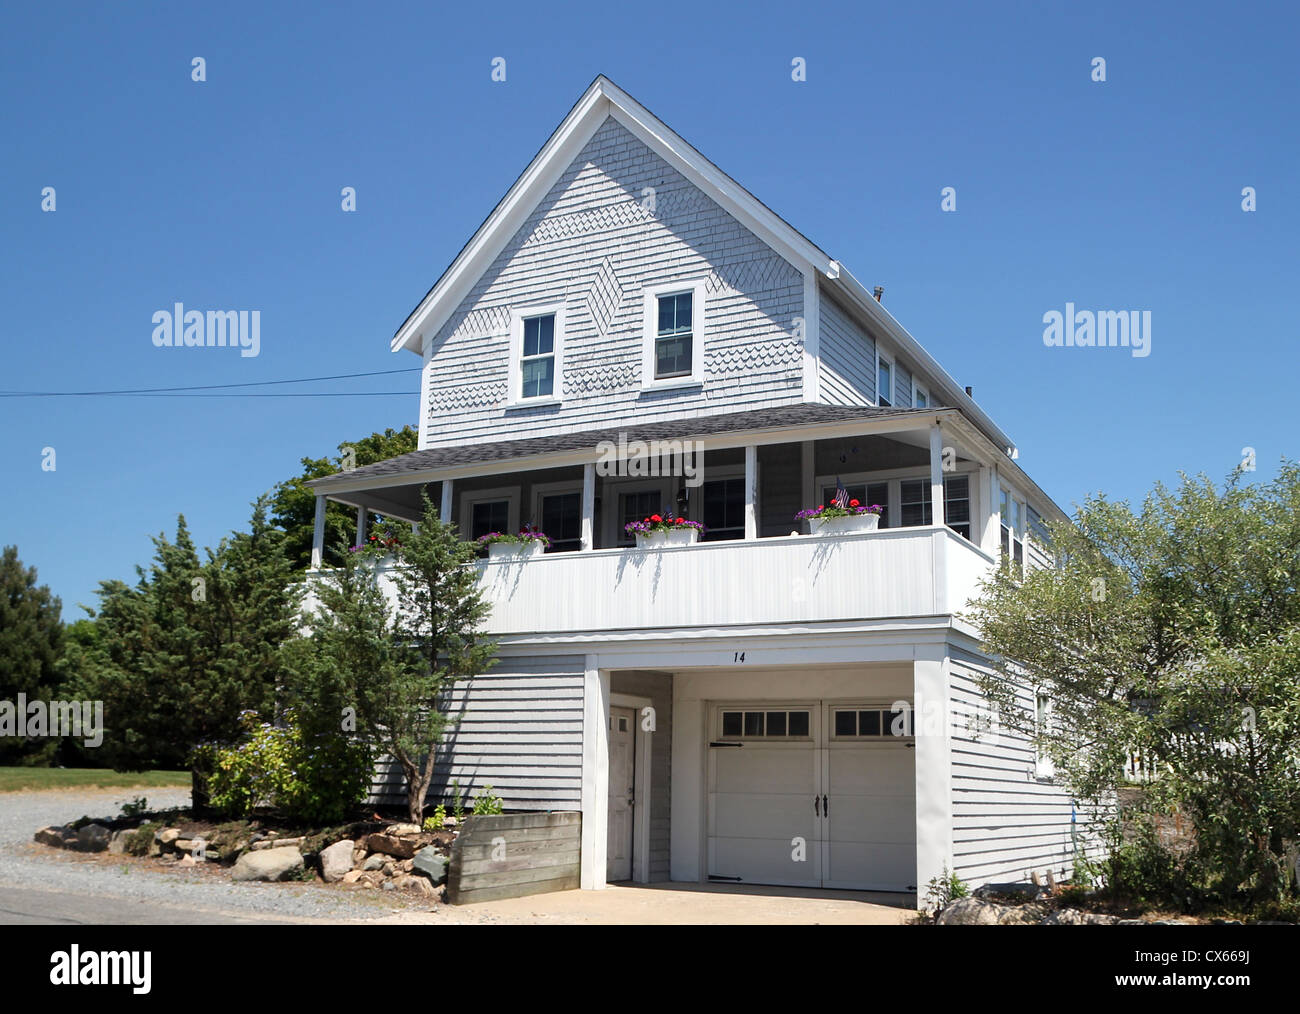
(726, 744)
(817, 809)
(826, 806)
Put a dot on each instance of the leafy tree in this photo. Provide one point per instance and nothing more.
(1171, 633)
(293, 503)
(399, 661)
(179, 655)
(31, 642)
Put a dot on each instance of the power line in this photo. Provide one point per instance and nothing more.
(183, 391)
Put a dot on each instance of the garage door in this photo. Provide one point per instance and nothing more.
(814, 794)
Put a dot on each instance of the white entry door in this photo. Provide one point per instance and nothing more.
(814, 794)
(622, 781)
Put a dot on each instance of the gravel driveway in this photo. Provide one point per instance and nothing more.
(40, 884)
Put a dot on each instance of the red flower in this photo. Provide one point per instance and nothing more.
(821, 507)
(681, 521)
(655, 517)
(854, 503)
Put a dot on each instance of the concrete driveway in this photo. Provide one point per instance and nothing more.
(683, 904)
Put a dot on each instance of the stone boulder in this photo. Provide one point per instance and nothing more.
(336, 860)
(390, 845)
(972, 912)
(93, 838)
(430, 864)
(55, 837)
(398, 830)
(1073, 917)
(267, 864)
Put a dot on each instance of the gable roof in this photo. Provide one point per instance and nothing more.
(604, 99)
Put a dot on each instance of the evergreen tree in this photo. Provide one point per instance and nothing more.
(31, 642)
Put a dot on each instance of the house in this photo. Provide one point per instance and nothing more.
(763, 706)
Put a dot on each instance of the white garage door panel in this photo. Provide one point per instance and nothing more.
(755, 815)
(872, 819)
(763, 861)
(872, 770)
(871, 867)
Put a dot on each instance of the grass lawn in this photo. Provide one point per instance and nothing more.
(18, 779)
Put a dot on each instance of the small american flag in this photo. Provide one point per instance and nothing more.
(841, 494)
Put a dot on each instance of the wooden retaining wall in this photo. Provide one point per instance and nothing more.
(513, 855)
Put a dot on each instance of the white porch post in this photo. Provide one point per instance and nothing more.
(934, 818)
(990, 494)
(444, 511)
(361, 526)
(936, 475)
(751, 492)
(318, 533)
(595, 777)
(588, 507)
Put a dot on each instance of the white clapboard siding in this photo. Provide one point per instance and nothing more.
(517, 727)
(847, 358)
(593, 245)
(1007, 823)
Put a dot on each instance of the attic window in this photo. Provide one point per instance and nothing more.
(885, 383)
(538, 340)
(673, 355)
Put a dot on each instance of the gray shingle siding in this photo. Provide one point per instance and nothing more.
(519, 730)
(847, 359)
(591, 245)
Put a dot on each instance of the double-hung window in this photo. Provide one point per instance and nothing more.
(561, 520)
(723, 509)
(1013, 528)
(674, 335)
(914, 503)
(538, 336)
(884, 383)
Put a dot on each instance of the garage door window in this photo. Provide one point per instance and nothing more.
(765, 724)
(879, 723)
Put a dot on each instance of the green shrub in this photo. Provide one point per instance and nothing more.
(139, 840)
(944, 889)
(438, 819)
(487, 804)
(314, 777)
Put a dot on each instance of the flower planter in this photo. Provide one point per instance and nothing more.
(681, 537)
(847, 525)
(510, 551)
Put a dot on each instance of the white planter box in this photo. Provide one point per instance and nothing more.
(679, 537)
(845, 525)
(507, 551)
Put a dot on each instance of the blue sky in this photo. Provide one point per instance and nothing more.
(225, 194)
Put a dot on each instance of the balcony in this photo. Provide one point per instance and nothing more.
(900, 572)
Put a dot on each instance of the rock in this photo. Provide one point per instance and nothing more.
(398, 848)
(358, 856)
(267, 864)
(351, 877)
(389, 868)
(374, 863)
(51, 836)
(183, 844)
(335, 861)
(971, 912)
(405, 865)
(415, 885)
(430, 864)
(388, 885)
(167, 835)
(397, 830)
(450, 822)
(117, 843)
(188, 860)
(1022, 915)
(93, 838)
(372, 878)
(1073, 917)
